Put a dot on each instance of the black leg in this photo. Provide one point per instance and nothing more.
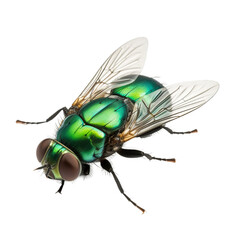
(172, 132)
(150, 132)
(130, 153)
(85, 169)
(61, 187)
(48, 171)
(64, 109)
(106, 165)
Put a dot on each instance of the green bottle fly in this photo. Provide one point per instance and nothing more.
(117, 105)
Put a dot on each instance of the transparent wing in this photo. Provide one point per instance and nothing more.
(121, 68)
(167, 104)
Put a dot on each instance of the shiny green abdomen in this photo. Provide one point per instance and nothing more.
(106, 114)
(86, 141)
(139, 88)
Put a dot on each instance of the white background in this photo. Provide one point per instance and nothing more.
(49, 52)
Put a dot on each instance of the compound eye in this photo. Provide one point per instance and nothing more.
(69, 167)
(42, 148)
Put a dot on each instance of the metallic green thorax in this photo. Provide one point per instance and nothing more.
(86, 141)
(87, 131)
(107, 114)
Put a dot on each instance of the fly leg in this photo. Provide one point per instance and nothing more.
(106, 165)
(64, 109)
(61, 187)
(85, 169)
(172, 132)
(131, 153)
(150, 132)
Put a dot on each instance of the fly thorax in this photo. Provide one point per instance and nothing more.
(86, 141)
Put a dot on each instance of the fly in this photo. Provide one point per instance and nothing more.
(117, 105)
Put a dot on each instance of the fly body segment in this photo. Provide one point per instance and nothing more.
(117, 105)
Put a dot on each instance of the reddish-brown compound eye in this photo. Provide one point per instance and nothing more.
(69, 167)
(42, 148)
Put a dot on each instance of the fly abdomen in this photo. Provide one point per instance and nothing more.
(141, 87)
